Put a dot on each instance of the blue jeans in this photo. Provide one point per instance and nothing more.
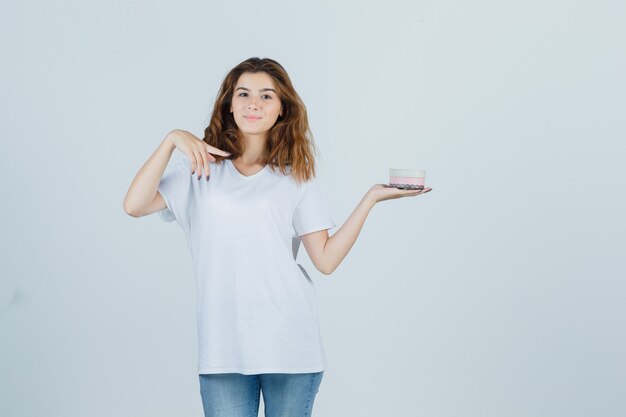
(237, 395)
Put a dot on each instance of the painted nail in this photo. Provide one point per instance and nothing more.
(193, 172)
(207, 177)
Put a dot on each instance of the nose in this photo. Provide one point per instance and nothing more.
(253, 104)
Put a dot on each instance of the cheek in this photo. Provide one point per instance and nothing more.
(276, 109)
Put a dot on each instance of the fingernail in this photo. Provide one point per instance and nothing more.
(199, 176)
(207, 177)
(193, 172)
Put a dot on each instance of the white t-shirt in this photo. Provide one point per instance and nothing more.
(256, 307)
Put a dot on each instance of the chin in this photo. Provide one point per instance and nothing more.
(254, 132)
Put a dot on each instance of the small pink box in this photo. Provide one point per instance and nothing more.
(407, 179)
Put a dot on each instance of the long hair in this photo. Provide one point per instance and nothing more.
(290, 141)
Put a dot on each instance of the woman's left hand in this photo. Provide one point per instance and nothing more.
(382, 192)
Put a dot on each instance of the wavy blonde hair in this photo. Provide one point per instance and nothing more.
(290, 141)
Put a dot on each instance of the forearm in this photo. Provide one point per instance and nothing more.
(144, 187)
(339, 244)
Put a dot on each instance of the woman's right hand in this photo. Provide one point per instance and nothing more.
(198, 151)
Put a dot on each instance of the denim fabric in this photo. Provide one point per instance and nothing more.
(237, 395)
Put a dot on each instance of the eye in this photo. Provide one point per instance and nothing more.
(267, 95)
(241, 94)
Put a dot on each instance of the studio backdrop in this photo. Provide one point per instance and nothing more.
(499, 293)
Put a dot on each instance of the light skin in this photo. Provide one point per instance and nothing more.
(253, 95)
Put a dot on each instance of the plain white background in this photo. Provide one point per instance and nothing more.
(499, 293)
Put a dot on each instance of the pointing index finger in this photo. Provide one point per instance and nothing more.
(211, 149)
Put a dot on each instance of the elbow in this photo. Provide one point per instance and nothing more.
(326, 270)
(130, 210)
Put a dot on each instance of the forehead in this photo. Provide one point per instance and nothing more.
(255, 80)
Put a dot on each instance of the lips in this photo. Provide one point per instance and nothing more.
(252, 117)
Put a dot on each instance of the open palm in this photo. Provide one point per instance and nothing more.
(382, 192)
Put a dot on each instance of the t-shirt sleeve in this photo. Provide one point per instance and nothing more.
(176, 188)
(312, 212)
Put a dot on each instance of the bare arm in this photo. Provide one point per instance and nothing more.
(325, 252)
(142, 197)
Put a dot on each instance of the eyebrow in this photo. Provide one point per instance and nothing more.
(247, 89)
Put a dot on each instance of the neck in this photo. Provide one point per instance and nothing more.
(256, 150)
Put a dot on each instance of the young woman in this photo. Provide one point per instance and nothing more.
(246, 196)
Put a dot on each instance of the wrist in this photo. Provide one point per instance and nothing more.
(169, 141)
(369, 200)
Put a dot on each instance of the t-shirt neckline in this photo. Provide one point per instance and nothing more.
(246, 177)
